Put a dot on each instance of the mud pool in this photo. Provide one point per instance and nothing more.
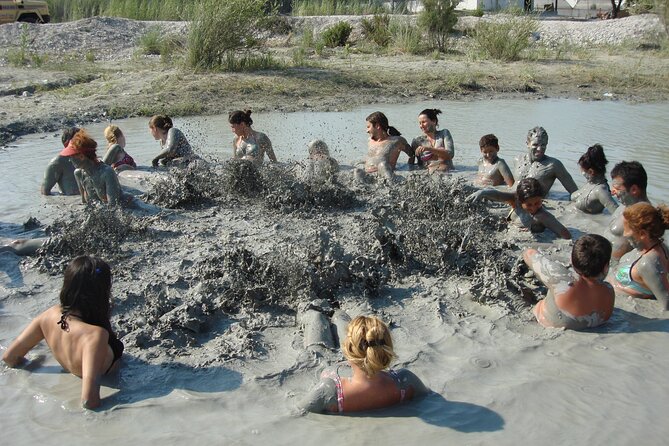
(206, 289)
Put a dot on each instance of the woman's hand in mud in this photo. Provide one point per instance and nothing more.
(154, 162)
(475, 197)
(421, 149)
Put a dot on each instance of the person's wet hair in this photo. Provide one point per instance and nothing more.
(489, 140)
(161, 122)
(67, 135)
(431, 114)
(239, 116)
(645, 217)
(538, 133)
(318, 147)
(378, 118)
(368, 344)
(529, 188)
(84, 144)
(590, 255)
(632, 173)
(112, 133)
(86, 292)
(594, 159)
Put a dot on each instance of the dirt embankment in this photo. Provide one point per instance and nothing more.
(92, 70)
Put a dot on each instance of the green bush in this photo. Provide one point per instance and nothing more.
(377, 29)
(250, 62)
(506, 37)
(219, 27)
(336, 7)
(406, 38)
(438, 19)
(336, 35)
(151, 41)
(478, 12)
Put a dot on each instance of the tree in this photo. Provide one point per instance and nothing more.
(438, 19)
(615, 8)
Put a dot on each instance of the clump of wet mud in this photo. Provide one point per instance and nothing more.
(276, 186)
(97, 230)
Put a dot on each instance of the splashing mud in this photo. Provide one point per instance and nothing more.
(249, 244)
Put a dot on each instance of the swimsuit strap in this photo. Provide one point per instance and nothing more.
(334, 376)
(393, 374)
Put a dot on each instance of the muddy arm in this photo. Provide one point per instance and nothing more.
(492, 195)
(506, 172)
(112, 154)
(552, 223)
(266, 145)
(564, 177)
(655, 278)
(604, 197)
(548, 271)
(50, 179)
(29, 338)
(322, 398)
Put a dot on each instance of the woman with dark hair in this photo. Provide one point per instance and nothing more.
(78, 331)
(595, 195)
(247, 143)
(96, 180)
(527, 204)
(434, 148)
(646, 275)
(384, 147)
(175, 149)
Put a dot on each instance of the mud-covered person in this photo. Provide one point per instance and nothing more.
(643, 272)
(536, 164)
(249, 144)
(628, 184)
(96, 180)
(364, 381)
(434, 149)
(60, 170)
(384, 147)
(175, 150)
(320, 165)
(527, 203)
(78, 330)
(493, 170)
(576, 299)
(116, 156)
(595, 195)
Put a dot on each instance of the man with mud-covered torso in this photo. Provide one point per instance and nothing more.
(383, 149)
(61, 171)
(535, 163)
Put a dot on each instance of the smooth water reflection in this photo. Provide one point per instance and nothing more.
(627, 132)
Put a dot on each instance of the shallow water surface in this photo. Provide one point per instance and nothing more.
(627, 132)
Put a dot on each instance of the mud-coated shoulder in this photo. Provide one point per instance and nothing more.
(321, 398)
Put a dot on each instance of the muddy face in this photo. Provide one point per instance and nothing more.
(619, 190)
(536, 150)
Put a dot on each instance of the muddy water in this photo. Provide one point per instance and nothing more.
(204, 296)
(627, 132)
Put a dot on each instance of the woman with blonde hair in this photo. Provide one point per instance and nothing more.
(364, 382)
(116, 156)
(646, 276)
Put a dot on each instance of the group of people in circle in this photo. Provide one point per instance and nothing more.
(78, 329)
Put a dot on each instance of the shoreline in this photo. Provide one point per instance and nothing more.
(80, 87)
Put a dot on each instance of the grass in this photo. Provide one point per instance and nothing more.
(68, 10)
(336, 7)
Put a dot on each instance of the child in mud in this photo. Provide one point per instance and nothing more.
(364, 382)
(320, 164)
(96, 180)
(595, 195)
(77, 331)
(646, 275)
(60, 170)
(578, 299)
(175, 149)
(434, 148)
(493, 170)
(385, 145)
(116, 156)
(247, 143)
(536, 164)
(527, 204)
(628, 183)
